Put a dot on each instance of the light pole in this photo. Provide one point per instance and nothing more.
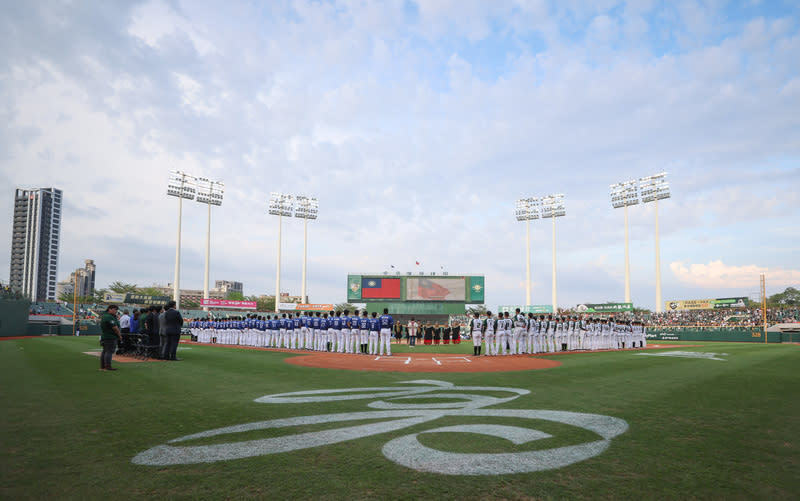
(280, 204)
(306, 209)
(653, 189)
(527, 209)
(180, 185)
(210, 193)
(552, 206)
(625, 194)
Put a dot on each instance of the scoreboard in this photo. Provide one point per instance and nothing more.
(415, 288)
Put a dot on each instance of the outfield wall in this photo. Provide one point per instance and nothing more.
(13, 317)
(735, 334)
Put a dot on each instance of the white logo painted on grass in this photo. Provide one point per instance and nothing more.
(397, 404)
(687, 354)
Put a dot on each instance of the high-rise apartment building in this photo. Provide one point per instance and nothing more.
(228, 286)
(36, 234)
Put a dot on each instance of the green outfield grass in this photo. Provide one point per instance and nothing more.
(697, 428)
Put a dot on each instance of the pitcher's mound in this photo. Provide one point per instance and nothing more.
(423, 362)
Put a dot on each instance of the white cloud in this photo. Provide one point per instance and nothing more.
(718, 275)
(412, 150)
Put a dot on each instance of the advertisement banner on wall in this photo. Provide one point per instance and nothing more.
(706, 304)
(533, 308)
(114, 297)
(353, 287)
(476, 287)
(604, 308)
(304, 307)
(228, 303)
(133, 298)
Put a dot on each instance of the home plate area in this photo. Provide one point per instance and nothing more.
(423, 362)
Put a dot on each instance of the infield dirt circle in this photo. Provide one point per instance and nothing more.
(423, 362)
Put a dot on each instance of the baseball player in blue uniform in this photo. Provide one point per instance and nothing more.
(387, 322)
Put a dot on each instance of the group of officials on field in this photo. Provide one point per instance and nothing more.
(505, 335)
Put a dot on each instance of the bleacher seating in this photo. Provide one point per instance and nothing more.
(48, 308)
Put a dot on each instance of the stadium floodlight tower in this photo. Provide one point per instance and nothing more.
(653, 189)
(527, 209)
(180, 185)
(306, 208)
(553, 206)
(280, 204)
(210, 193)
(625, 194)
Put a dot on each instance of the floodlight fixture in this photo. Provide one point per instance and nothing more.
(209, 192)
(306, 208)
(653, 189)
(182, 186)
(281, 204)
(527, 209)
(624, 194)
(553, 206)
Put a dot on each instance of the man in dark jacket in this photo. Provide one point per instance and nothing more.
(172, 328)
(152, 331)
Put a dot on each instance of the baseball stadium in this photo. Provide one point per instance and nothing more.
(681, 418)
(400, 250)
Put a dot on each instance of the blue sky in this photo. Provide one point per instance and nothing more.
(417, 125)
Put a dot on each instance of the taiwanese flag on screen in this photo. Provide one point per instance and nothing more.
(429, 289)
(380, 288)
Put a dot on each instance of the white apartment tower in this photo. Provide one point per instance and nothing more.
(36, 234)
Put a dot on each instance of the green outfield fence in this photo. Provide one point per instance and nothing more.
(736, 334)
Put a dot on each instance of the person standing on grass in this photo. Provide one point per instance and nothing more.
(491, 346)
(476, 327)
(173, 321)
(412, 332)
(386, 325)
(109, 325)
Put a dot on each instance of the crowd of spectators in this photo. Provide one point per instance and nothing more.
(744, 317)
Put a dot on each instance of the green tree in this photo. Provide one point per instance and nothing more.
(235, 296)
(789, 297)
(151, 291)
(264, 303)
(477, 308)
(122, 287)
(99, 295)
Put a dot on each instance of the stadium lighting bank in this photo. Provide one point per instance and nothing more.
(280, 204)
(306, 208)
(180, 185)
(210, 193)
(625, 194)
(655, 188)
(526, 210)
(552, 206)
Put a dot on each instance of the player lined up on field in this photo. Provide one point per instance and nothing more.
(518, 334)
(335, 331)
